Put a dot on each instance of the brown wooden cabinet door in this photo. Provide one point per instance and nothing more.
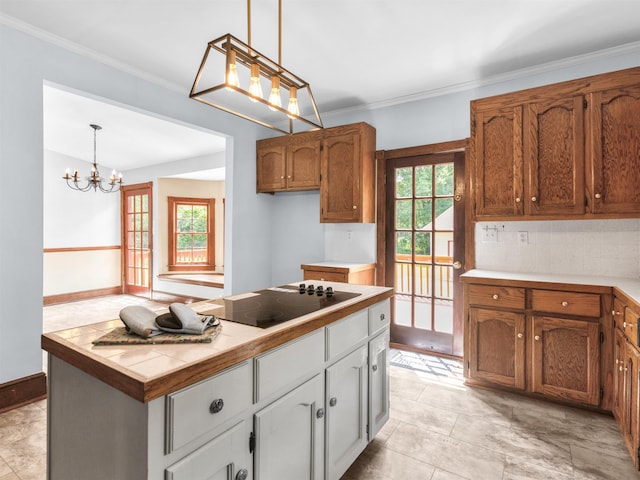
(619, 356)
(271, 168)
(631, 403)
(303, 166)
(498, 157)
(554, 157)
(566, 359)
(340, 190)
(497, 347)
(613, 151)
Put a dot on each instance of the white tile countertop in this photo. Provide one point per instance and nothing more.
(627, 286)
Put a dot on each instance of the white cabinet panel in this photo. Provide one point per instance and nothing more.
(378, 383)
(207, 405)
(222, 458)
(346, 406)
(289, 363)
(379, 316)
(290, 433)
(344, 334)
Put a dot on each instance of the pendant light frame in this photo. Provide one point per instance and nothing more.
(245, 56)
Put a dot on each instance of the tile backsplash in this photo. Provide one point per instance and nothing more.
(591, 247)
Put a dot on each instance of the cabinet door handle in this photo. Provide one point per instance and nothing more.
(518, 200)
(216, 406)
(382, 317)
(536, 338)
(374, 368)
(620, 368)
(624, 324)
(333, 401)
(320, 413)
(355, 207)
(564, 304)
(519, 335)
(242, 474)
(613, 312)
(495, 296)
(533, 199)
(598, 196)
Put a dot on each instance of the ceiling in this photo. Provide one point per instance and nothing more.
(354, 53)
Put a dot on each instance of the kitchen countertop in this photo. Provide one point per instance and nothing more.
(629, 287)
(146, 372)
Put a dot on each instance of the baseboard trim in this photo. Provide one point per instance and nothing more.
(22, 391)
(84, 295)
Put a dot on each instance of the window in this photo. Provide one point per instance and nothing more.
(191, 233)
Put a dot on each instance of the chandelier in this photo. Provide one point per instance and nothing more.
(243, 71)
(94, 180)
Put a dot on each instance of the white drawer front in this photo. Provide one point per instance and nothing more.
(344, 334)
(207, 405)
(286, 364)
(379, 316)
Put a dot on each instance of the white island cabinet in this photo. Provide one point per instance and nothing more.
(300, 400)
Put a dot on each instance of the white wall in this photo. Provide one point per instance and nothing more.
(25, 64)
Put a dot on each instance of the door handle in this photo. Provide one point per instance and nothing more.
(457, 265)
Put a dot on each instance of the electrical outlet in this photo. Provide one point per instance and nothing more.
(490, 234)
(349, 235)
(523, 238)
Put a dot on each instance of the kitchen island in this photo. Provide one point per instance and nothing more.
(300, 399)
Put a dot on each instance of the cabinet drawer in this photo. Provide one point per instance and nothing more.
(566, 303)
(618, 314)
(207, 405)
(344, 334)
(630, 325)
(284, 365)
(325, 276)
(379, 316)
(492, 296)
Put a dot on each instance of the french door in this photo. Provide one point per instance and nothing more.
(425, 250)
(136, 238)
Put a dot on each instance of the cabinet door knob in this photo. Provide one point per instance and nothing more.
(374, 368)
(242, 474)
(533, 199)
(382, 317)
(564, 304)
(536, 338)
(518, 199)
(281, 177)
(495, 296)
(355, 207)
(333, 401)
(620, 368)
(519, 335)
(216, 406)
(320, 413)
(624, 324)
(598, 196)
(457, 265)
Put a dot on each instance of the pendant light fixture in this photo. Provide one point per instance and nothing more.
(245, 70)
(94, 180)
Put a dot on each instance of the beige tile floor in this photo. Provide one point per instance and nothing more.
(438, 430)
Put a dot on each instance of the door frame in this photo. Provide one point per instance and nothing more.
(384, 156)
(123, 232)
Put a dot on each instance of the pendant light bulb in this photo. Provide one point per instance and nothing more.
(274, 98)
(254, 83)
(232, 71)
(293, 102)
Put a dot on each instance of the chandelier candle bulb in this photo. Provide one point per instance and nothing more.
(274, 98)
(232, 71)
(293, 102)
(255, 89)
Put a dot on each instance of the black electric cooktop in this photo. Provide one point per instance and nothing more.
(265, 308)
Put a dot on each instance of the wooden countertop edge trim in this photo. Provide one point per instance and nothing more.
(545, 285)
(147, 390)
(627, 299)
(330, 268)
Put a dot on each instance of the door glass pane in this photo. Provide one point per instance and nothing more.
(404, 246)
(145, 221)
(403, 214)
(423, 278)
(138, 203)
(443, 281)
(424, 181)
(444, 316)
(145, 240)
(444, 179)
(444, 214)
(423, 214)
(137, 243)
(403, 278)
(130, 222)
(145, 203)
(423, 246)
(402, 313)
(423, 313)
(444, 247)
(404, 182)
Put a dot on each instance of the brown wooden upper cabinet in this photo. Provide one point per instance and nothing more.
(567, 150)
(340, 161)
(288, 163)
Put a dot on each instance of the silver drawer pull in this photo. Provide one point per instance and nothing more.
(333, 401)
(242, 474)
(382, 317)
(320, 413)
(216, 406)
(374, 368)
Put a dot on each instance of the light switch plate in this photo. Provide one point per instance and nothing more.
(523, 238)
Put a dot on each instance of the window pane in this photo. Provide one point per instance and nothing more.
(184, 225)
(423, 246)
(444, 214)
(200, 241)
(138, 222)
(424, 181)
(444, 179)
(145, 240)
(145, 203)
(129, 204)
(145, 222)
(403, 214)
(199, 224)
(138, 203)
(423, 214)
(404, 182)
(403, 246)
(183, 211)
(130, 222)
(137, 242)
